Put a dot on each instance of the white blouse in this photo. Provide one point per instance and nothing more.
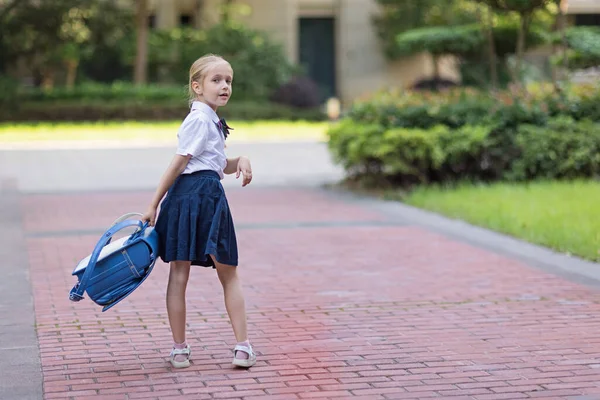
(200, 137)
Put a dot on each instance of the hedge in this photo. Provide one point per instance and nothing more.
(409, 138)
(149, 111)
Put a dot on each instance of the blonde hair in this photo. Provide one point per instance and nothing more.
(199, 69)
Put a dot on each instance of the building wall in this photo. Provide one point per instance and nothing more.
(582, 6)
(361, 67)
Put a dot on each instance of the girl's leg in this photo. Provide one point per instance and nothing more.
(236, 308)
(234, 299)
(178, 279)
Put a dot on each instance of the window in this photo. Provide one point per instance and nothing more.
(186, 20)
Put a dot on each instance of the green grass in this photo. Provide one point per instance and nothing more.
(242, 130)
(564, 216)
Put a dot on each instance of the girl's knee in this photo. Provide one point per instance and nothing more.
(179, 272)
(226, 273)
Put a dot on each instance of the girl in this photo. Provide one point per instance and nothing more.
(194, 225)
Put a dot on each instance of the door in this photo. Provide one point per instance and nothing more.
(317, 53)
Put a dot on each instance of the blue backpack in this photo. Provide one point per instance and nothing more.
(114, 270)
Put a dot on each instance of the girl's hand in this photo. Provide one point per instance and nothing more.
(244, 167)
(150, 216)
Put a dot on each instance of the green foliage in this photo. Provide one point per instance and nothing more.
(260, 65)
(413, 138)
(583, 44)
(507, 31)
(453, 108)
(8, 93)
(440, 40)
(519, 6)
(557, 214)
(94, 110)
(401, 16)
(564, 148)
(101, 56)
(408, 155)
(115, 92)
(44, 33)
(466, 40)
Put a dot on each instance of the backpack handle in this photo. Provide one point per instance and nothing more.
(76, 294)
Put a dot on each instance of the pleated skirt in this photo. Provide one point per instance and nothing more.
(194, 222)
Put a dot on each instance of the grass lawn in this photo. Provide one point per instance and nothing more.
(564, 216)
(160, 131)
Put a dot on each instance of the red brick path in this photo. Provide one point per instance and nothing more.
(335, 311)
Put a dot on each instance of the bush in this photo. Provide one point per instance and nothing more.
(300, 92)
(105, 111)
(116, 91)
(453, 108)
(408, 156)
(8, 93)
(583, 44)
(415, 138)
(565, 148)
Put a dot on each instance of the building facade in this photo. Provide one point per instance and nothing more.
(333, 39)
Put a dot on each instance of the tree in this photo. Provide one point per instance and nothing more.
(41, 34)
(140, 74)
(486, 21)
(399, 16)
(525, 10)
(439, 41)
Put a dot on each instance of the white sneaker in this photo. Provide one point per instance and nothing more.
(241, 362)
(187, 352)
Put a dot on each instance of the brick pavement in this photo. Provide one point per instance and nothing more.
(343, 302)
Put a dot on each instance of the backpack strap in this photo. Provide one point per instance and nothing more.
(76, 294)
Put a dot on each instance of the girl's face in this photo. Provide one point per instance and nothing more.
(216, 87)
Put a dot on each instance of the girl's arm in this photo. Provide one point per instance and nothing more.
(239, 165)
(175, 169)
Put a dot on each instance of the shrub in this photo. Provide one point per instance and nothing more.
(352, 146)
(115, 92)
(583, 44)
(299, 92)
(414, 138)
(564, 148)
(99, 111)
(407, 156)
(8, 93)
(453, 108)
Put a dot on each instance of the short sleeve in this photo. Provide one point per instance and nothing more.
(192, 137)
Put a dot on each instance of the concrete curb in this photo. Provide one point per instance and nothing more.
(569, 267)
(20, 363)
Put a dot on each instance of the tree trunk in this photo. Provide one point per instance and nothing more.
(436, 68)
(47, 79)
(487, 25)
(562, 26)
(141, 56)
(226, 11)
(71, 72)
(523, 29)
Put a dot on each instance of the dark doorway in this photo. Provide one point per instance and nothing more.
(317, 53)
(587, 19)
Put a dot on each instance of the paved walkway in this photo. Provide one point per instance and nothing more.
(347, 298)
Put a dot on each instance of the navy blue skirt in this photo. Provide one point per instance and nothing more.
(195, 221)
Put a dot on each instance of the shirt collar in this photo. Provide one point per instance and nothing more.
(205, 108)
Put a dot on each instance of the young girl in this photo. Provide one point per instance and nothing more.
(194, 225)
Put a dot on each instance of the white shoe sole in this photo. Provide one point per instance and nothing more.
(244, 363)
(180, 364)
